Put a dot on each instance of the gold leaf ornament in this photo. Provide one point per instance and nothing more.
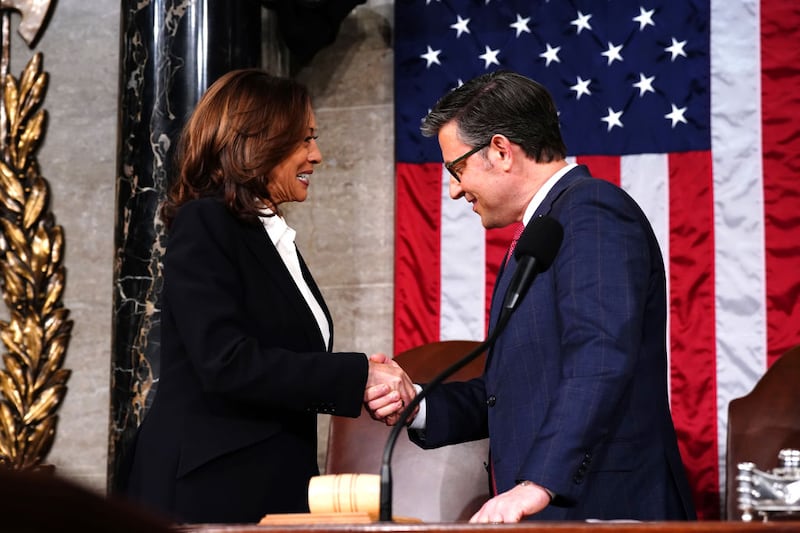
(35, 203)
(32, 382)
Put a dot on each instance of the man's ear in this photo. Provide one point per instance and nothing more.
(503, 148)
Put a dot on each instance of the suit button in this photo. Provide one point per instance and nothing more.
(491, 400)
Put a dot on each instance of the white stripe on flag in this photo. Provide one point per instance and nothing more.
(646, 178)
(738, 204)
(463, 302)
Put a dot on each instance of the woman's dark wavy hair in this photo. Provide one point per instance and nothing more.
(245, 124)
(506, 103)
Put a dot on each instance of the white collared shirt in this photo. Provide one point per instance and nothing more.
(282, 236)
(543, 191)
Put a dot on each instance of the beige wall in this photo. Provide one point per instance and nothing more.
(346, 226)
(345, 229)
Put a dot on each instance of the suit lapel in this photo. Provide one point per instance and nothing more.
(566, 181)
(508, 266)
(259, 243)
(318, 295)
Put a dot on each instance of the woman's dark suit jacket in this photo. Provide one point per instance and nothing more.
(231, 434)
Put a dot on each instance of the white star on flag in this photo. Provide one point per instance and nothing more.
(521, 25)
(612, 119)
(645, 84)
(551, 54)
(490, 57)
(461, 26)
(645, 18)
(582, 22)
(613, 53)
(676, 48)
(581, 87)
(676, 115)
(431, 56)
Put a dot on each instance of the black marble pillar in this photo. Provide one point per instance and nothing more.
(171, 50)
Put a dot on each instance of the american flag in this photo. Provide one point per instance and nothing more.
(690, 106)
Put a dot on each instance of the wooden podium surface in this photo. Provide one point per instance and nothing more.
(537, 527)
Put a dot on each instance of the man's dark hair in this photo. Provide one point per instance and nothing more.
(506, 103)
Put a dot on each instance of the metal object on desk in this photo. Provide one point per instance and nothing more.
(769, 494)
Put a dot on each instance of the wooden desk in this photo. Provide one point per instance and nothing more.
(540, 527)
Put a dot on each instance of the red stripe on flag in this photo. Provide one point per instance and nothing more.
(780, 105)
(417, 282)
(497, 243)
(605, 167)
(692, 324)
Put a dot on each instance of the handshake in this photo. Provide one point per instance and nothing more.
(388, 391)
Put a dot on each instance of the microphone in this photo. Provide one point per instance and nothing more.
(535, 251)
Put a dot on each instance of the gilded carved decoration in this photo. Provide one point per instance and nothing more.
(32, 275)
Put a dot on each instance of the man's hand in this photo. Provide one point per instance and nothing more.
(388, 391)
(511, 506)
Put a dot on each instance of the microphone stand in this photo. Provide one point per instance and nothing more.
(386, 469)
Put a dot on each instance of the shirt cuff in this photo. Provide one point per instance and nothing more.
(419, 421)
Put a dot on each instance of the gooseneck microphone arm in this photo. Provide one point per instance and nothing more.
(535, 251)
(386, 468)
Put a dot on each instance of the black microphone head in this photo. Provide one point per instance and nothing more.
(541, 239)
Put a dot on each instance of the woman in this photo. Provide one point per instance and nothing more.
(246, 335)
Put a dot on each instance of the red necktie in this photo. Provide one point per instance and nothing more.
(517, 233)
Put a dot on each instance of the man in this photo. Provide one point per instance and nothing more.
(574, 393)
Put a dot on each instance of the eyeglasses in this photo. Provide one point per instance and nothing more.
(451, 166)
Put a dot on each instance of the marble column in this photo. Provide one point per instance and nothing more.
(171, 50)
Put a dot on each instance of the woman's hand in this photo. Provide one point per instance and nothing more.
(389, 390)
